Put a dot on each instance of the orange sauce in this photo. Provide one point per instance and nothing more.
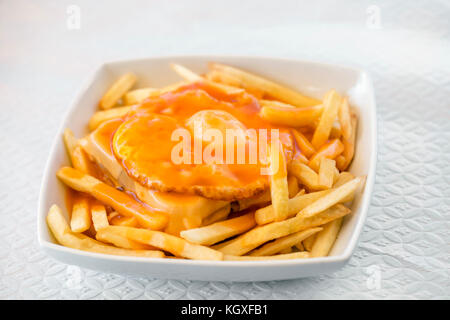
(143, 141)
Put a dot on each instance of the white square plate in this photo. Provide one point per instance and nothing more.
(310, 78)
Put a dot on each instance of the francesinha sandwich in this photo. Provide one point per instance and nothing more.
(222, 166)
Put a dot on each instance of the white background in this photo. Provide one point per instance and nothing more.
(404, 248)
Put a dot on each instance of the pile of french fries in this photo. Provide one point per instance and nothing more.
(299, 217)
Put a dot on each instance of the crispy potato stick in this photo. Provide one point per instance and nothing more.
(101, 116)
(218, 215)
(331, 103)
(254, 201)
(80, 161)
(106, 235)
(117, 90)
(336, 131)
(277, 91)
(266, 215)
(220, 230)
(60, 229)
(326, 172)
(343, 178)
(340, 162)
(294, 255)
(185, 73)
(330, 150)
(288, 116)
(284, 242)
(278, 183)
(326, 238)
(99, 217)
(309, 242)
(300, 246)
(138, 95)
(120, 201)
(349, 145)
(191, 76)
(304, 145)
(286, 251)
(80, 220)
(344, 117)
(112, 215)
(124, 221)
(293, 186)
(298, 156)
(232, 81)
(330, 199)
(175, 245)
(305, 175)
(257, 236)
(70, 142)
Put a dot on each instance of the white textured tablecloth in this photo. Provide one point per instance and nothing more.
(404, 247)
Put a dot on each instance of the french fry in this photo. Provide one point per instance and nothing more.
(343, 178)
(220, 230)
(300, 246)
(191, 76)
(309, 242)
(124, 221)
(254, 201)
(326, 238)
(305, 175)
(60, 229)
(292, 186)
(284, 242)
(330, 199)
(185, 73)
(80, 161)
(80, 219)
(304, 145)
(326, 172)
(218, 215)
(101, 116)
(70, 142)
(285, 251)
(288, 116)
(340, 162)
(232, 81)
(336, 131)
(117, 90)
(349, 145)
(278, 183)
(330, 150)
(257, 236)
(294, 255)
(105, 235)
(120, 201)
(331, 104)
(138, 95)
(175, 245)
(344, 117)
(266, 215)
(112, 215)
(277, 91)
(298, 156)
(99, 217)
